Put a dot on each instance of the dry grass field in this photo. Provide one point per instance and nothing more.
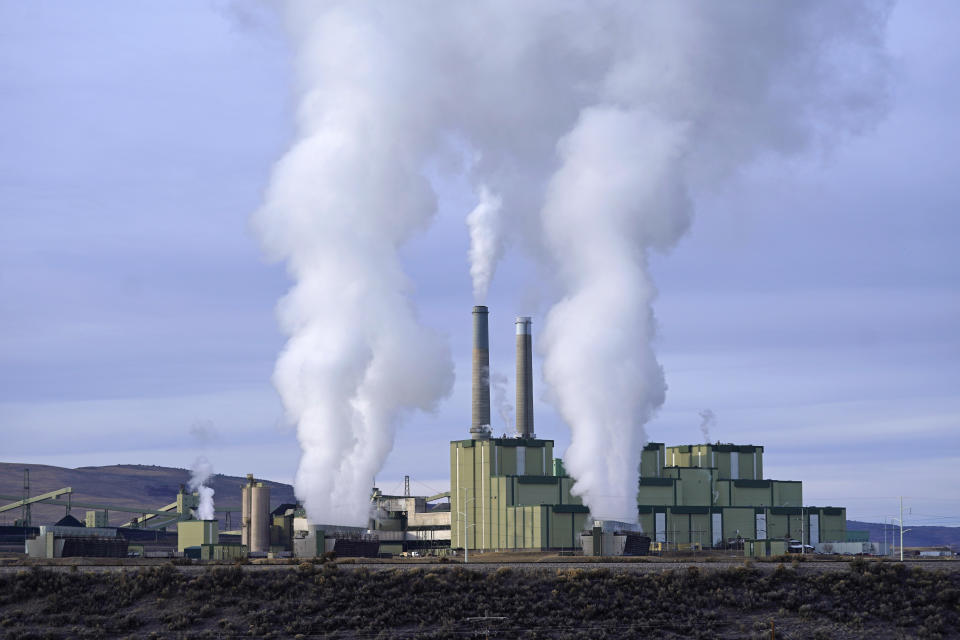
(876, 600)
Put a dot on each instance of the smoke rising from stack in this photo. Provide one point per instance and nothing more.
(486, 243)
(201, 472)
(593, 129)
(707, 420)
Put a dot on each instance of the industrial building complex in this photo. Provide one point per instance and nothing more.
(506, 493)
(714, 495)
(511, 493)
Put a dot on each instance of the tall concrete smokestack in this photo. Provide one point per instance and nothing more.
(524, 378)
(480, 425)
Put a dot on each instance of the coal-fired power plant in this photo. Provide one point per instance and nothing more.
(524, 378)
(506, 492)
(480, 423)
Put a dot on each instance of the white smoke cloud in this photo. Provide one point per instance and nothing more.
(201, 472)
(340, 204)
(698, 91)
(486, 243)
(593, 127)
(599, 361)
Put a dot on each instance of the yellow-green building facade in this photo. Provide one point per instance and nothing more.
(711, 494)
(510, 493)
(195, 533)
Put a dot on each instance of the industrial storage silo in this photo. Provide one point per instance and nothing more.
(246, 494)
(255, 516)
(260, 518)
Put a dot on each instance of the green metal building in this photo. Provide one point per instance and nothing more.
(713, 494)
(510, 493)
(193, 533)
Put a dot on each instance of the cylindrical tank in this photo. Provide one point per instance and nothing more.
(246, 494)
(524, 378)
(259, 518)
(480, 423)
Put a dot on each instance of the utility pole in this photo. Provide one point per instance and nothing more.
(25, 511)
(803, 545)
(901, 528)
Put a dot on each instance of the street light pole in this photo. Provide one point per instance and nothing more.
(893, 531)
(902, 530)
(466, 525)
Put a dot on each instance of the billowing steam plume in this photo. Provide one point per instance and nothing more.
(693, 92)
(593, 126)
(341, 202)
(485, 242)
(707, 420)
(202, 470)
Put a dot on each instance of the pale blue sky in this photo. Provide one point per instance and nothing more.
(813, 307)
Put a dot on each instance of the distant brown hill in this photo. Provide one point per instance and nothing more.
(917, 536)
(125, 485)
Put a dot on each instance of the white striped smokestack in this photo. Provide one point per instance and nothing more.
(480, 423)
(524, 378)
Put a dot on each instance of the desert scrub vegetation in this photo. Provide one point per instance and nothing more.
(876, 600)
